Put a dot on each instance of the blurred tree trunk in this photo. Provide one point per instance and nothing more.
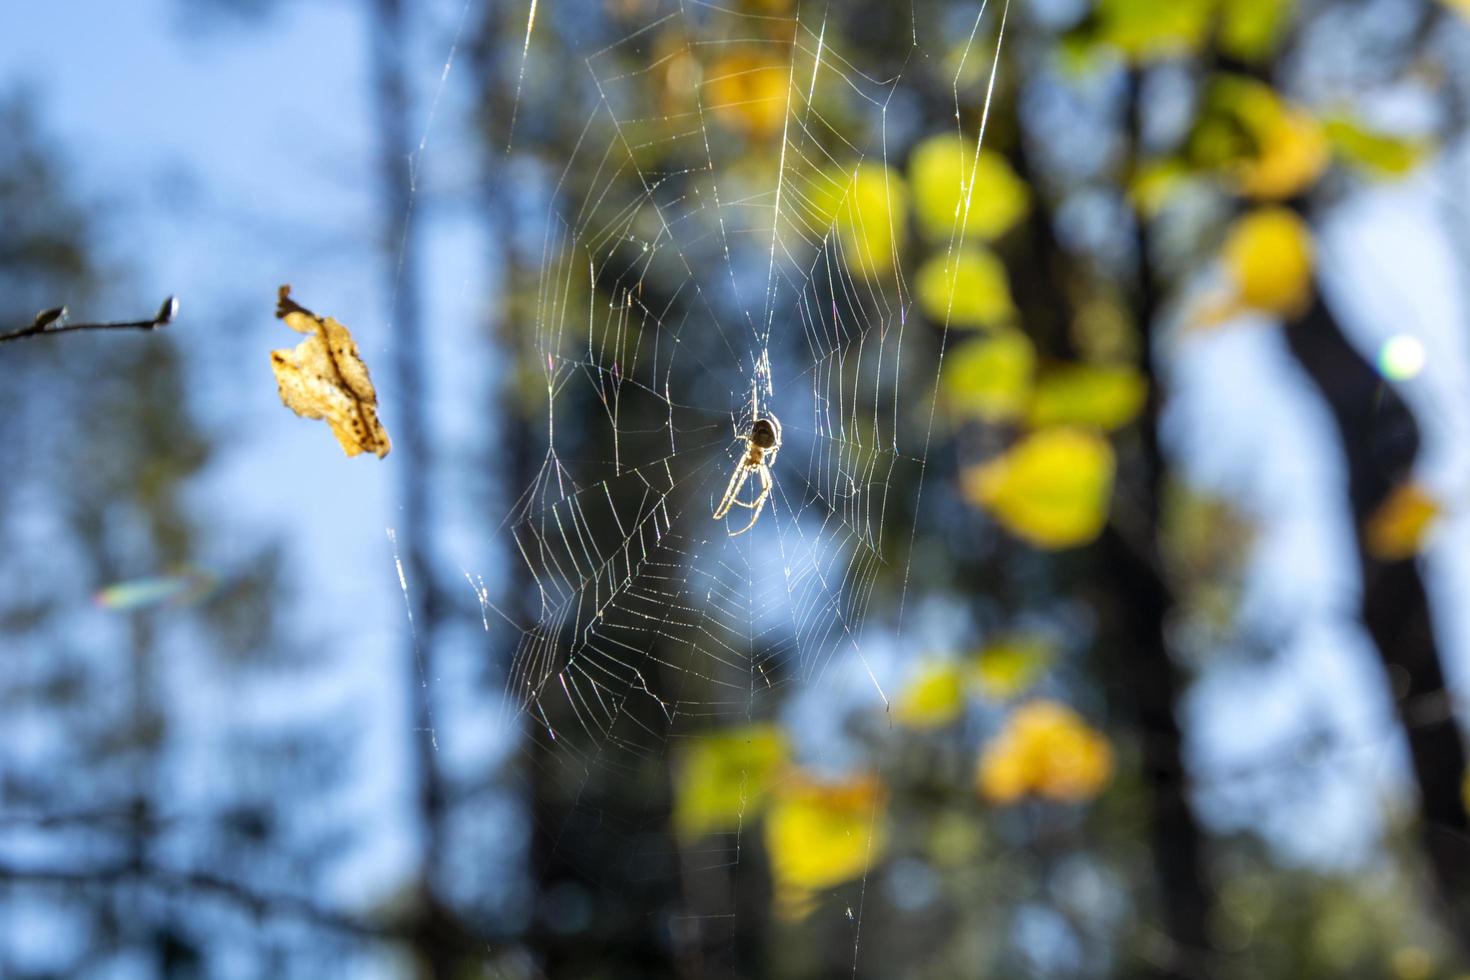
(1143, 685)
(415, 524)
(1380, 440)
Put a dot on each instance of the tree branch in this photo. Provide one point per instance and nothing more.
(54, 321)
(235, 892)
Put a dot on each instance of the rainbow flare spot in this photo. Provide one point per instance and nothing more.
(183, 588)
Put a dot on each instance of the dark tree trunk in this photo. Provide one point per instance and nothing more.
(1380, 441)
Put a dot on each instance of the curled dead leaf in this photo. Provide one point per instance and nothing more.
(324, 377)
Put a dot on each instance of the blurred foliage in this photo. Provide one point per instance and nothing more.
(822, 832)
(723, 780)
(1047, 749)
(989, 378)
(1053, 488)
(965, 288)
(1397, 529)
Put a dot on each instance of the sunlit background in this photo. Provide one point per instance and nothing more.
(1107, 615)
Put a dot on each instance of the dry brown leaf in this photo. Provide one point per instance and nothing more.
(324, 377)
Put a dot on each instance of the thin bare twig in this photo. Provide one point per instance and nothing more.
(54, 321)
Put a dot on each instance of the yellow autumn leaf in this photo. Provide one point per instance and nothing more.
(941, 168)
(933, 698)
(324, 377)
(1396, 530)
(1045, 749)
(1106, 396)
(1147, 29)
(1270, 258)
(966, 289)
(989, 377)
(1375, 153)
(1293, 153)
(746, 92)
(1052, 489)
(1270, 148)
(724, 778)
(1010, 666)
(869, 218)
(820, 834)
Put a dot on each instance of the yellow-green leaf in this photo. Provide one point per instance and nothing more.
(724, 778)
(968, 288)
(869, 221)
(989, 377)
(1053, 488)
(1377, 153)
(1148, 29)
(1010, 666)
(933, 698)
(819, 834)
(1107, 396)
(942, 168)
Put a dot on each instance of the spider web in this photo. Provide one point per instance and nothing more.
(684, 290)
(718, 248)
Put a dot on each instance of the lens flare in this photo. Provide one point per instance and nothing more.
(1401, 357)
(182, 589)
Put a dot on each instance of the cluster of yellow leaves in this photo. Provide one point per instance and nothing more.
(725, 778)
(1286, 150)
(935, 696)
(324, 377)
(820, 834)
(1397, 529)
(1053, 488)
(746, 92)
(1045, 749)
(966, 198)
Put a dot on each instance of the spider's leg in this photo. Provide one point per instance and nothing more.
(732, 491)
(760, 502)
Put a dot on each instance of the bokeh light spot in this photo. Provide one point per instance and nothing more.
(1401, 357)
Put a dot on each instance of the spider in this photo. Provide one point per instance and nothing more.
(761, 444)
